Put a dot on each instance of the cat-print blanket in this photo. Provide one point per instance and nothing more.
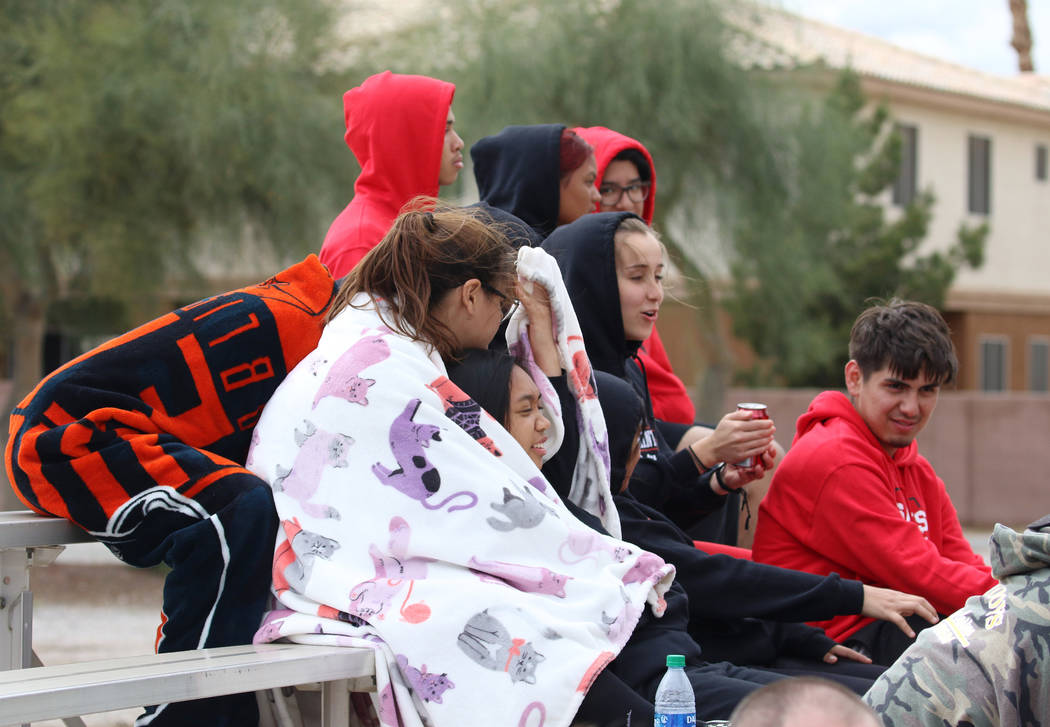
(415, 525)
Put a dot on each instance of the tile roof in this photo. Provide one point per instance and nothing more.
(776, 38)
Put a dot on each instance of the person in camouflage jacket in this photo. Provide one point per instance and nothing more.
(983, 665)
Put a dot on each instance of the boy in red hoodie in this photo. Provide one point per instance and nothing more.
(400, 129)
(853, 495)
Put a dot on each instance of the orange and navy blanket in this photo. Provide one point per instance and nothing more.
(158, 415)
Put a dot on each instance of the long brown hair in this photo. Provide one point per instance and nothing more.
(430, 249)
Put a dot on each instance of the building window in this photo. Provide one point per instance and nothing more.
(980, 175)
(1039, 364)
(1040, 162)
(992, 374)
(904, 186)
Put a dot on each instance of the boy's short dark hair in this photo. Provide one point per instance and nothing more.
(908, 337)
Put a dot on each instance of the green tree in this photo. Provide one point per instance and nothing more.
(808, 262)
(138, 138)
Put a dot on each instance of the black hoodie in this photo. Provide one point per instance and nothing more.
(584, 250)
(624, 416)
(733, 603)
(519, 170)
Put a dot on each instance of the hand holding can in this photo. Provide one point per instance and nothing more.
(758, 411)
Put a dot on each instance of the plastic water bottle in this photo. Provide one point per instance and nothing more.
(675, 701)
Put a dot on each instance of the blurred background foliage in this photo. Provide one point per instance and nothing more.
(784, 173)
(141, 141)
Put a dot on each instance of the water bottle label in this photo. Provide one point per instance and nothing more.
(673, 720)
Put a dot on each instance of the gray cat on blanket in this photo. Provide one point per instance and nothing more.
(485, 640)
(521, 512)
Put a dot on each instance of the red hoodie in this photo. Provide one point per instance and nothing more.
(395, 125)
(839, 504)
(671, 401)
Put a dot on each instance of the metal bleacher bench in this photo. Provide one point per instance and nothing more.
(31, 692)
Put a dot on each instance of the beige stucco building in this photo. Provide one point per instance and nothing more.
(980, 142)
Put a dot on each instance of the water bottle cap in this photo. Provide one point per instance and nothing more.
(675, 660)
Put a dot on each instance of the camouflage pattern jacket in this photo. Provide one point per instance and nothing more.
(983, 665)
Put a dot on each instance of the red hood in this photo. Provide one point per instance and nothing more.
(395, 125)
(607, 144)
(835, 404)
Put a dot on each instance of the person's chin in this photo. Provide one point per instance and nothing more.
(641, 333)
(899, 441)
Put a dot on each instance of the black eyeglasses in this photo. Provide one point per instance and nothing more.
(612, 193)
(507, 305)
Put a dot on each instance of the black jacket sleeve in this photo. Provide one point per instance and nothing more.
(804, 641)
(665, 479)
(672, 431)
(722, 586)
(671, 484)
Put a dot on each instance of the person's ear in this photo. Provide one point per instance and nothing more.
(470, 295)
(854, 377)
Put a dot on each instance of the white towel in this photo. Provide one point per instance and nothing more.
(590, 482)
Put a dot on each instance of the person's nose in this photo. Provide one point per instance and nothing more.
(625, 204)
(909, 404)
(542, 423)
(596, 196)
(655, 291)
(457, 142)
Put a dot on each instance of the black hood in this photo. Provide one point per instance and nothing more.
(518, 233)
(624, 414)
(585, 253)
(519, 170)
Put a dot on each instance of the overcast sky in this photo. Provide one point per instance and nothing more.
(974, 33)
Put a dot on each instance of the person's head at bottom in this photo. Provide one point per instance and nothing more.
(803, 702)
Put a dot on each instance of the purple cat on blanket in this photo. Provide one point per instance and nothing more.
(271, 626)
(619, 627)
(587, 545)
(395, 563)
(373, 599)
(427, 686)
(317, 449)
(643, 569)
(415, 476)
(531, 579)
(343, 379)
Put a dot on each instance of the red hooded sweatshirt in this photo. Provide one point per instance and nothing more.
(838, 503)
(395, 126)
(671, 401)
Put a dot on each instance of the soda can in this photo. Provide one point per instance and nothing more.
(758, 411)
